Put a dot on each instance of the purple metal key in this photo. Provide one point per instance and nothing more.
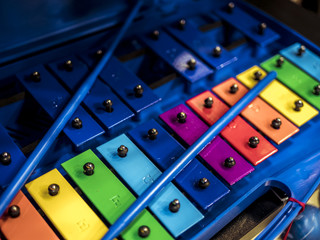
(190, 130)
(215, 155)
(216, 152)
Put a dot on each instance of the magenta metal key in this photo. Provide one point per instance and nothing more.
(218, 153)
(189, 130)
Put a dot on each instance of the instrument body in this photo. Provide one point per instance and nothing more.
(293, 168)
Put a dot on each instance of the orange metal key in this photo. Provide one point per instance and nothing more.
(209, 111)
(229, 92)
(238, 133)
(265, 118)
(28, 225)
(259, 113)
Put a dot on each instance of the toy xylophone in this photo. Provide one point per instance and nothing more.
(167, 82)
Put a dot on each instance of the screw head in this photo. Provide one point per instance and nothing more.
(174, 206)
(144, 231)
(316, 90)
(229, 162)
(14, 211)
(192, 64)
(181, 116)
(257, 75)
(152, 134)
(99, 53)
(5, 158)
(276, 123)
(230, 7)
(217, 51)
(298, 105)
(68, 65)
(182, 24)
(262, 28)
(77, 123)
(203, 183)
(88, 168)
(234, 88)
(138, 91)
(122, 151)
(301, 50)
(108, 105)
(53, 189)
(280, 61)
(253, 142)
(155, 34)
(35, 76)
(208, 102)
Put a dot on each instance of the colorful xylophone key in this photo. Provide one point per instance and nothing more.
(68, 212)
(215, 153)
(109, 195)
(258, 113)
(22, 221)
(171, 207)
(163, 149)
(280, 97)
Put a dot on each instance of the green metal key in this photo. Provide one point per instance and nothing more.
(109, 195)
(293, 77)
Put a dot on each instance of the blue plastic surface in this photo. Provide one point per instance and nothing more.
(97, 95)
(177, 56)
(202, 44)
(52, 97)
(247, 25)
(139, 173)
(308, 61)
(122, 81)
(17, 158)
(164, 150)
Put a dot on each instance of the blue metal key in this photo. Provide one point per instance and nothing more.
(52, 97)
(203, 45)
(178, 57)
(8, 168)
(123, 82)
(307, 61)
(247, 25)
(99, 93)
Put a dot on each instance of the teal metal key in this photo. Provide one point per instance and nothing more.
(139, 172)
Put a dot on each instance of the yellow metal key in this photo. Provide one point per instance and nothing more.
(251, 76)
(293, 107)
(287, 102)
(69, 213)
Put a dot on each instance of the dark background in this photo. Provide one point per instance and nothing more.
(302, 16)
